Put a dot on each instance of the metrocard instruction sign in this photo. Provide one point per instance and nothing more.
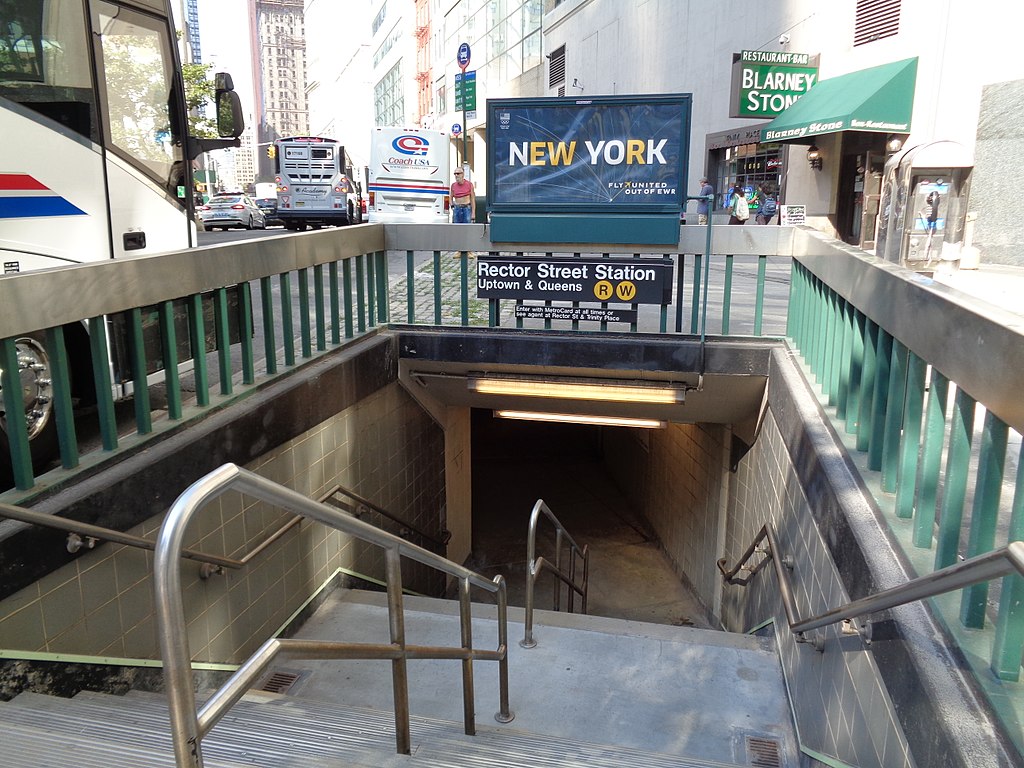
(582, 280)
(764, 83)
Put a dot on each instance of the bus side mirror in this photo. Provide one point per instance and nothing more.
(230, 122)
(222, 82)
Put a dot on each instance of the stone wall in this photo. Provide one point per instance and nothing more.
(998, 169)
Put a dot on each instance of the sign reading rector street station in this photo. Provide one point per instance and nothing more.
(597, 280)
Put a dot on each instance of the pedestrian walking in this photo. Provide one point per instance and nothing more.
(739, 210)
(463, 199)
(704, 206)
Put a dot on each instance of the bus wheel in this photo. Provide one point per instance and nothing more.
(35, 378)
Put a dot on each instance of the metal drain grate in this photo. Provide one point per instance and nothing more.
(279, 682)
(763, 753)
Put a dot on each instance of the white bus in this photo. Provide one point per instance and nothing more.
(92, 111)
(408, 176)
(316, 183)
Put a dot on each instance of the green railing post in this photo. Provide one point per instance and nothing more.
(287, 329)
(931, 460)
(984, 514)
(829, 378)
(910, 443)
(169, 345)
(371, 290)
(762, 265)
(360, 293)
(954, 490)
(305, 335)
(879, 399)
(63, 412)
(100, 358)
(14, 408)
(140, 387)
(346, 285)
(332, 282)
(894, 410)
(464, 286)
(845, 346)
(698, 264)
(1008, 643)
(410, 287)
(437, 287)
(269, 330)
(197, 342)
(727, 294)
(319, 307)
(383, 302)
(220, 317)
(856, 372)
(868, 373)
(244, 336)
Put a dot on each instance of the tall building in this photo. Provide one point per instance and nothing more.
(278, 45)
(192, 31)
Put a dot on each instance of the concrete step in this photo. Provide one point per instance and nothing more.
(100, 730)
(595, 691)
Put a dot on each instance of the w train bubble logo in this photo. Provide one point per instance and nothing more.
(411, 145)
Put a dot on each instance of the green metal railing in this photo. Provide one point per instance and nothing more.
(903, 413)
(261, 308)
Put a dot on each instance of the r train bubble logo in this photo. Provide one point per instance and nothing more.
(411, 145)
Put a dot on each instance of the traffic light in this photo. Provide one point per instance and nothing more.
(271, 151)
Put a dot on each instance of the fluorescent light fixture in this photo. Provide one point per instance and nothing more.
(612, 392)
(576, 418)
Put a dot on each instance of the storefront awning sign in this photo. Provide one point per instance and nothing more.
(879, 100)
(764, 83)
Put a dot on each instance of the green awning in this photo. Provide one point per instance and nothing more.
(879, 99)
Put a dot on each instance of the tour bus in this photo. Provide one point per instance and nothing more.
(316, 183)
(92, 94)
(408, 176)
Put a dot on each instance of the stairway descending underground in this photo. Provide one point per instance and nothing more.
(595, 691)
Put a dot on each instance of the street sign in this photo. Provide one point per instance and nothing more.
(456, 129)
(463, 56)
(465, 91)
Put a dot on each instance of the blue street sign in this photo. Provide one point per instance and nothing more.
(463, 56)
(456, 129)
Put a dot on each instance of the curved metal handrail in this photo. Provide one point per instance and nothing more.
(340, 490)
(536, 565)
(991, 565)
(188, 726)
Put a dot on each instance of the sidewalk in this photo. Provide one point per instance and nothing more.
(999, 284)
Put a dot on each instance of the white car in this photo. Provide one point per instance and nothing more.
(232, 209)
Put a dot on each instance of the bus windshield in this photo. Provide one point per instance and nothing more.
(44, 62)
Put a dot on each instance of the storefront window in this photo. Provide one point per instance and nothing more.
(755, 164)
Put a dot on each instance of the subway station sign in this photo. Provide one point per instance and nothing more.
(764, 83)
(632, 281)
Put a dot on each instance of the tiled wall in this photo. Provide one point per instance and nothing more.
(385, 448)
(676, 477)
(700, 512)
(841, 705)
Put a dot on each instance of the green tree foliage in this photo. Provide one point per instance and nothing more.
(199, 91)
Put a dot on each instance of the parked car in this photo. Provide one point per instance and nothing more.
(269, 207)
(232, 209)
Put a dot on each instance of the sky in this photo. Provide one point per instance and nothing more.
(224, 39)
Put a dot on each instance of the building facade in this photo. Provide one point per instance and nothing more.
(278, 45)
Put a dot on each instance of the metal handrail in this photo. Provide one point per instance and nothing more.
(96, 533)
(328, 497)
(189, 726)
(991, 565)
(536, 565)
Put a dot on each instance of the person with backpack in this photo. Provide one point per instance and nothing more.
(767, 205)
(739, 211)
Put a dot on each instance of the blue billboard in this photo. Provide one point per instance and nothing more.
(611, 154)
